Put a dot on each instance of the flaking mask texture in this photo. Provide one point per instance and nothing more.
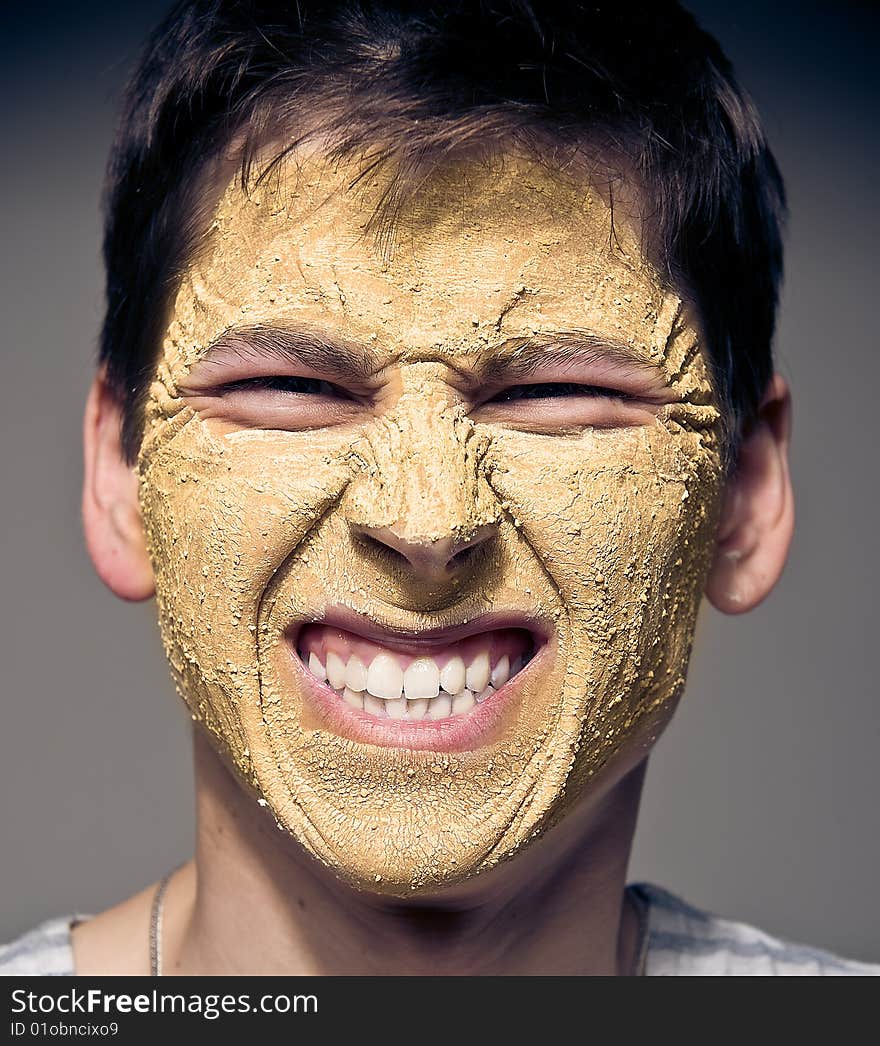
(605, 534)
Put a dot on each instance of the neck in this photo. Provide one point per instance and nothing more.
(254, 902)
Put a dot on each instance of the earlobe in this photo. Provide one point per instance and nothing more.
(757, 517)
(111, 515)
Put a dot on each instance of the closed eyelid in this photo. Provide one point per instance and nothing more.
(577, 356)
(322, 355)
(285, 384)
(625, 382)
(588, 373)
(575, 387)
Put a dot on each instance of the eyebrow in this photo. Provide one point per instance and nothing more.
(512, 358)
(522, 357)
(299, 345)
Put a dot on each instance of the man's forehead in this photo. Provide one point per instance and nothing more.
(513, 211)
(481, 255)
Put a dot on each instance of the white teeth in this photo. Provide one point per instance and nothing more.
(463, 702)
(452, 676)
(501, 672)
(396, 709)
(384, 678)
(478, 672)
(316, 668)
(355, 673)
(375, 706)
(421, 679)
(440, 707)
(423, 691)
(335, 671)
(356, 700)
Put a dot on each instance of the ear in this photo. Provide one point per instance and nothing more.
(111, 514)
(757, 516)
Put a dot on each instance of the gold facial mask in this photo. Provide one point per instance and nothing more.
(603, 533)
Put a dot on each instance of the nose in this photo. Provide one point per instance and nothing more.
(422, 502)
(435, 560)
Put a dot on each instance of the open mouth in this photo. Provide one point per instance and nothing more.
(441, 689)
(390, 684)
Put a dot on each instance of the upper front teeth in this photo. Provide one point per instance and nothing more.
(452, 676)
(423, 690)
(384, 678)
(356, 675)
(422, 679)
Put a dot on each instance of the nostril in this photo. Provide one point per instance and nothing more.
(429, 555)
(382, 551)
(464, 557)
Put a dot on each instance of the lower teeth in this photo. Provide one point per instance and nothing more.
(444, 706)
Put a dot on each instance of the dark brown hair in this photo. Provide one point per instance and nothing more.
(414, 85)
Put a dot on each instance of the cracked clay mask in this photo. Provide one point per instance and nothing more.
(592, 512)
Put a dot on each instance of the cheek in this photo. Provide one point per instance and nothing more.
(222, 516)
(623, 522)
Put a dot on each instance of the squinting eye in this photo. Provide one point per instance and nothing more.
(286, 383)
(554, 389)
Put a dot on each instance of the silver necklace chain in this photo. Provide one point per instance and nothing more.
(156, 926)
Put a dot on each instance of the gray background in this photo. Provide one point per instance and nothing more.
(762, 796)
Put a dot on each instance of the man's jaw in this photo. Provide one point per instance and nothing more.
(437, 690)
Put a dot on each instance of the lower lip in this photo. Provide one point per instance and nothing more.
(462, 733)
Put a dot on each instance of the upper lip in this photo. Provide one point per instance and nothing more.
(393, 636)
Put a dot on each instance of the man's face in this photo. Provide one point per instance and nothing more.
(351, 470)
